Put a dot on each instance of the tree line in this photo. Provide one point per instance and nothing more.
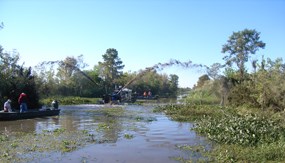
(67, 77)
(262, 87)
(243, 82)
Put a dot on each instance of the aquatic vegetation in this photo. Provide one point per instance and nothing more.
(273, 152)
(3, 138)
(248, 130)
(139, 118)
(69, 100)
(14, 144)
(128, 136)
(68, 146)
(111, 112)
(85, 131)
(197, 148)
(21, 146)
(189, 113)
(196, 153)
(150, 119)
(103, 126)
(238, 135)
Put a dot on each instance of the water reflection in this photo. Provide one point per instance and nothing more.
(155, 136)
(29, 125)
(71, 118)
(153, 141)
(49, 123)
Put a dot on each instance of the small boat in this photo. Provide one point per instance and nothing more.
(7, 116)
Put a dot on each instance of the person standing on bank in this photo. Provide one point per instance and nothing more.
(7, 106)
(23, 99)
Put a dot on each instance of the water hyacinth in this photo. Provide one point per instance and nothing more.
(239, 134)
(243, 130)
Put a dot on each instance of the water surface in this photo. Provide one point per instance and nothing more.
(153, 136)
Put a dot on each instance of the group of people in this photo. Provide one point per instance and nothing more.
(147, 94)
(22, 100)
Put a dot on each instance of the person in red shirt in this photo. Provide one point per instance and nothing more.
(22, 100)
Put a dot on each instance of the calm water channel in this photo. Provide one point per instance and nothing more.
(154, 137)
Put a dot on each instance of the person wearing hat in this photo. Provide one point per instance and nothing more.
(7, 106)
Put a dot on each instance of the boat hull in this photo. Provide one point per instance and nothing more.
(4, 116)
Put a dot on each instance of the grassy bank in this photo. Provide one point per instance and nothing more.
(70, 100)
(238, 134)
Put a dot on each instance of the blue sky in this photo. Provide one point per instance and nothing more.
(145, 32)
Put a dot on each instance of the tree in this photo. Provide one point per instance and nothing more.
(9, 71)
(202, 80)
(110, 68)
(16, 79)
(67, 68)
(239, 46)
(174, 84)
(46, 81)
(269, 84)
(214, 70)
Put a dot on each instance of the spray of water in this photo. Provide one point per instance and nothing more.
(161, 66)
(158, 66)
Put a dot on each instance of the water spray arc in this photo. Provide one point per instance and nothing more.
(161, 66)
(158, 66)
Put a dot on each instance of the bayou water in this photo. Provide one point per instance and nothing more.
(139, 135)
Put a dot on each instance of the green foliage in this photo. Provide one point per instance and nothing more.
(214, 70)
(273, 152)
(206, 93)
(240, 135)
(202, 80)
(159, 84)
(173, 84)
(128, 136)
(242, 94)
(189, 112)
(68, 146)
(16, 79)
(69, 100)
(59, 131)
(248, 130)
(270, 85)
(263, 89)
(3, 138)
(64, 78)
(66, 69)
(110, 69)
(41, 145)
(239, 46)
(70, 76)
